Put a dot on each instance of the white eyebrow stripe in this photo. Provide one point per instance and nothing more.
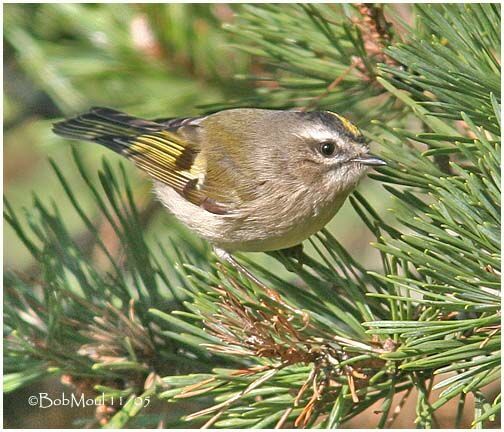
(318, 134)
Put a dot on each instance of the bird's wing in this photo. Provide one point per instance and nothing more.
(167, 150)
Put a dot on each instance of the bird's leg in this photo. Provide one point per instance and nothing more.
(226, 256)
(295, 252)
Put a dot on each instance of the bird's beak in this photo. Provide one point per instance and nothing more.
(369, 159)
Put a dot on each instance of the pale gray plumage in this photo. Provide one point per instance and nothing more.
(244, 179)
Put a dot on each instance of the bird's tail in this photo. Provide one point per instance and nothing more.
(113, 129)
(154, 147)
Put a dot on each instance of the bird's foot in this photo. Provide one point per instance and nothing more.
(295, 252)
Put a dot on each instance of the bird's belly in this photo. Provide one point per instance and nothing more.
(257, 232)
(280, 233)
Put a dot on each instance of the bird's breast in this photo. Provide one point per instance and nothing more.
(265, 224)
(283, 222)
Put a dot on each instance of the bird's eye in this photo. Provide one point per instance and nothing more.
(327, 148)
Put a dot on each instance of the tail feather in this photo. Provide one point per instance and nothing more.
(155, 148)
(124, 120)
(105, 126)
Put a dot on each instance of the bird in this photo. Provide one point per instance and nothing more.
(245, 179)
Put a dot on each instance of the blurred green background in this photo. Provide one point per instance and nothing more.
(150, 60)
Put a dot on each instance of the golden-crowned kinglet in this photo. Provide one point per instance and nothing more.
(244, 179)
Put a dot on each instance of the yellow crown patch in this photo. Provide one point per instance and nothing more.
(347, 124)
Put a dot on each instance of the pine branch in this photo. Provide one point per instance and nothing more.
(167, 321)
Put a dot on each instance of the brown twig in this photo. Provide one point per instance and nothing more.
(376, 34)
(375, 30)
(212, 420)
(315, 101)
(284, 418)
